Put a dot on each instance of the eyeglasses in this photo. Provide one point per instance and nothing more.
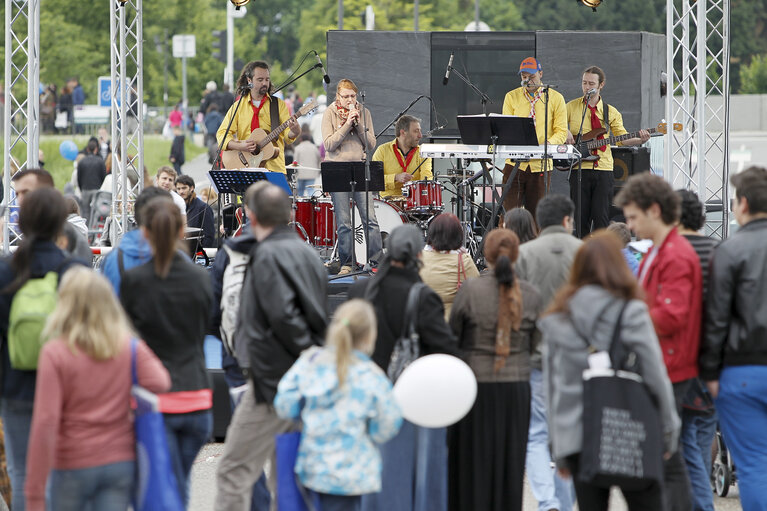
(348, 96)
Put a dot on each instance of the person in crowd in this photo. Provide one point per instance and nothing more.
(445, 265)
(315, 124)
(583, 314)
(346, 405)
(28, 180)
(402, 159)
(133, 249)
(734, 356)
(176, 116)
(130, 165)
(522, 223)
(42, 216)
(345, 140)
(91, 172)
(198, 214)
(78, 98)
(494, 318)
(177, 154)
(595, 179)
(212, 121)
(306, 154)
(256, 112)
(225, 98)
(533, 179)
(105, 144)
(233, 261)
(48, 108)
(171, 283)
(622, 231)
(210, 97)
(166, 179)
(282, 312)
(545, 263)
(415, 461)
(698, 412)
(671, 278)
(82, 439)
(65, 106)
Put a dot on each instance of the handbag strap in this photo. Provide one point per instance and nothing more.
(133, 344)
(616, 346)
(411, 309)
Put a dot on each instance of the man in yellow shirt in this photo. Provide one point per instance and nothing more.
(255, 112)
(531, 183)
(597, 175)
(401, 158)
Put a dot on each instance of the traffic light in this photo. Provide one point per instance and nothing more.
(219, 45)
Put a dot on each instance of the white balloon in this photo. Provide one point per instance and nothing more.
(436, 391)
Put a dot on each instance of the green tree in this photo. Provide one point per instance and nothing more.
(753, 77)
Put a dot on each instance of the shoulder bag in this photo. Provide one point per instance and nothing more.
(407, 346)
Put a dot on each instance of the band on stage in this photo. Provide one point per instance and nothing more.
(348, 227)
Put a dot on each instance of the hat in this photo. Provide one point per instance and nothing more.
(405, 243)
(530, 65)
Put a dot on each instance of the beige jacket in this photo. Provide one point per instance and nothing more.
(440, 272)
(345, 143)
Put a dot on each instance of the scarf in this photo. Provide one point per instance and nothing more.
(533, 100)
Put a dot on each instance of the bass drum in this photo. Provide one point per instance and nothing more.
(389, 216)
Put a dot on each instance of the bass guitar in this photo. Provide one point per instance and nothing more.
(265, 149)
(589, 141)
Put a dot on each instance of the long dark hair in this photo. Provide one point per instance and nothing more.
(598, 262)
(521, 222)
(163, 222)
(247, 72)
(41, 218)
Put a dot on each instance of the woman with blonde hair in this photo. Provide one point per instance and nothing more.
(345, 402)
(81, 441)
(168, 299)
(494, 318)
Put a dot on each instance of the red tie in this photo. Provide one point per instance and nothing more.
(594, 125)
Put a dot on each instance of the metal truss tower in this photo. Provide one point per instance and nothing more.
(126, 36)
(21, 113)
(698, 74)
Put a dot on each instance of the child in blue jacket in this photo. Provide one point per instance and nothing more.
(345, 402)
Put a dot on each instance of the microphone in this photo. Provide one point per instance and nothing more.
(428, 133)
(449, 67)
(245, 88)
(524, 83)
(325, 76)
(590, 92)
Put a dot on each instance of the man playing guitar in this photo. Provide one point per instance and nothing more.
(255, 112)
(597, 174)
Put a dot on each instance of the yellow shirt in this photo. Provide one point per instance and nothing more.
(240, 129)
(517, 103)
(574, 113)
(385, 153)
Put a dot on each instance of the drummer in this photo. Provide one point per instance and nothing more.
(402, 159)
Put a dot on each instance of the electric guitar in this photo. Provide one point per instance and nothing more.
(266, 149)
(589, 141)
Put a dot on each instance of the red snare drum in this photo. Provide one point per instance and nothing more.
(324, 226)
(423, 197)
(304, 218)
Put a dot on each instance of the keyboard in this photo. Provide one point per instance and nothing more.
(483, 152)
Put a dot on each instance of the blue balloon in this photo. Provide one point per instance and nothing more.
(68, 150)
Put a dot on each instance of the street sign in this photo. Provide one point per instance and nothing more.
(184, 46)
(105, 91)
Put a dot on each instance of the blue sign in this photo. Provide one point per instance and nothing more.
(105, 91)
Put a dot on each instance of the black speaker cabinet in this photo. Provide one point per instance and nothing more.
(627, 162)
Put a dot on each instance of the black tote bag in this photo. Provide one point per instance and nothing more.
(622, 433)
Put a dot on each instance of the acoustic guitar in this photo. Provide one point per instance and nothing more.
(589, 141)
(266, 149)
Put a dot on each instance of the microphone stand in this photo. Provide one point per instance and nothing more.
(483, 97)
(579, 209)
(401, 114)
(283, 85)
(546, 139)
(367, 183)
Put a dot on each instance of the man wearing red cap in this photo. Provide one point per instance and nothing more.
(597, 175)
(529, 100)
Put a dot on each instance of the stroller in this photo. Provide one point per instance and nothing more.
(722, 468)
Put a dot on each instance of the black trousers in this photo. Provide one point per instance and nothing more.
(594, 498)
(596, 197)
(678, 491)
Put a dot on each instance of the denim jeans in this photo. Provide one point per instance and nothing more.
(550, 490)
(186, 433)
(742, 407)
(17, 421)
(697, 435)
(414, 475)
(343, 218)
(100, 488)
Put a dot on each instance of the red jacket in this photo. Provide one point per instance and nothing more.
(674, 294)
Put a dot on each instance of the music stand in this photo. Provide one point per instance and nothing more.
(343, 176)
(507, 129)
(237, 181)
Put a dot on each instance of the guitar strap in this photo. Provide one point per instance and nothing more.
(274, 112)
(606, 118)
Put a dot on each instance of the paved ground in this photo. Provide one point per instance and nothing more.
(204, 487)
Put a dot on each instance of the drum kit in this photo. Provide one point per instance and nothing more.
(314, 217)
